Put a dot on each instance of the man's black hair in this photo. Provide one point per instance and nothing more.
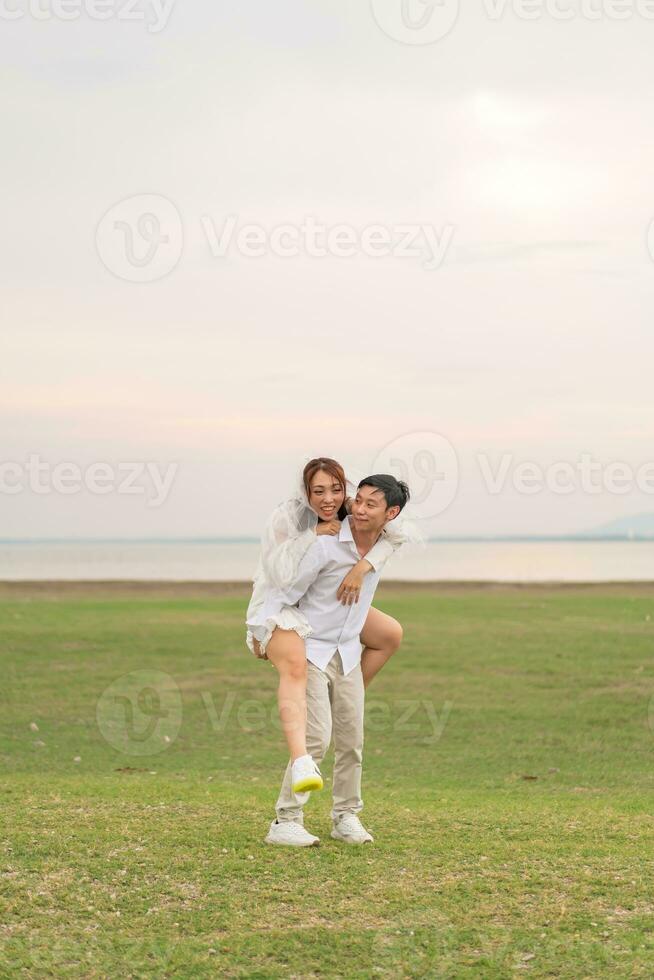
(395, 491)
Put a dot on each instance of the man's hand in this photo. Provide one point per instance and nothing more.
(350, 588)
(328, 527)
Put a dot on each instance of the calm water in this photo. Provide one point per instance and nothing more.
(570, 561)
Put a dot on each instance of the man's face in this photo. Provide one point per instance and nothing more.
(369, 510)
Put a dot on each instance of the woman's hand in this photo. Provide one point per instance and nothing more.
(350, 588)
(257, 649)
(328, 527)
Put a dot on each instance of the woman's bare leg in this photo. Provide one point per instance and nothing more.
(286, 651)
(381, 636)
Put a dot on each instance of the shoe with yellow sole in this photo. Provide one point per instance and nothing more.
(305, 775)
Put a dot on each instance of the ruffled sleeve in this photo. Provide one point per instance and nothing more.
(289, 534)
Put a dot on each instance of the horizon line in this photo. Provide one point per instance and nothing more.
(251, 539)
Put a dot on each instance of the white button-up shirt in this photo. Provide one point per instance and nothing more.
(335, 626)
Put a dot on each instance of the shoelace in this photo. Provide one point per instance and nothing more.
(350, 824)
(297, 828)
(308, 768)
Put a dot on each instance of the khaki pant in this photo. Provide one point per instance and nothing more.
(334, 706)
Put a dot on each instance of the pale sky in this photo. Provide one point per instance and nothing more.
(525, 145)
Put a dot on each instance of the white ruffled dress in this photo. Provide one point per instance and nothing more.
(289, 534)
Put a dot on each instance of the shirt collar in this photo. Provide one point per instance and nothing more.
(345, 533)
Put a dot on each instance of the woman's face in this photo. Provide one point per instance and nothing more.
(326, 495)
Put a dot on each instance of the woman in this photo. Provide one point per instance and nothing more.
(317, 508)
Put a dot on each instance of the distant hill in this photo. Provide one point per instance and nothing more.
(637, 527)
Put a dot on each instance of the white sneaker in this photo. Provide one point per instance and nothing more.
(349, 829)
(305, 775)
(292, 833)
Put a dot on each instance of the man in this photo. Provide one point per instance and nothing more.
(335, 693)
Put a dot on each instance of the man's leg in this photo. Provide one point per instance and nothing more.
(289, 804)
(347, 720)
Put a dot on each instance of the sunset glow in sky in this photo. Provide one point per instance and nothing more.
(530, 140)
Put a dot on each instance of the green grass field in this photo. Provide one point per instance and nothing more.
(508, 781)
